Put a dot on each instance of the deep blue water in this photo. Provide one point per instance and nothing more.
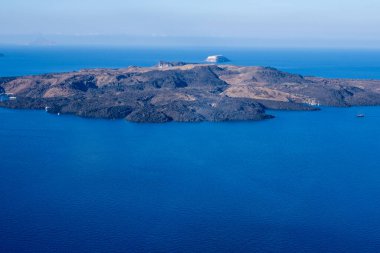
(302, 182)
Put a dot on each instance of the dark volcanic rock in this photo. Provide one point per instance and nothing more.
(148, 115)
(6, 80)
(238, 109)
(184, 92)
(81, 82)
(196, 77)
(274, 76)
(182, 111)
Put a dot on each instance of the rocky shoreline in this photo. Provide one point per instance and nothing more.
(178, 91)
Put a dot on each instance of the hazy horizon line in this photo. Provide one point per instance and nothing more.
(154, 40)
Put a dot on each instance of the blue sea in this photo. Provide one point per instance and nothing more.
(302, 182)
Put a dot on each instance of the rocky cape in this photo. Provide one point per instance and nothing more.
(183, 92)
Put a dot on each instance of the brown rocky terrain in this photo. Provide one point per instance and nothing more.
(183, 92)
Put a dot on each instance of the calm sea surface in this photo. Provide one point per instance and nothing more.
(302, 182)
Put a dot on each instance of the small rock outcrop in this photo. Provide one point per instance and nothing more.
(217, 59)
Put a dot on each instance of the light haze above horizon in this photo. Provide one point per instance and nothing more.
(272, 22)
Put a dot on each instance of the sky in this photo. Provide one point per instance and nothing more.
(266, 22)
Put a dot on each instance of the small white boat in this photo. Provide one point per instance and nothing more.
(360, 115)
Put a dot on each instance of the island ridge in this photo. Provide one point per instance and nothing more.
(177, 91)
